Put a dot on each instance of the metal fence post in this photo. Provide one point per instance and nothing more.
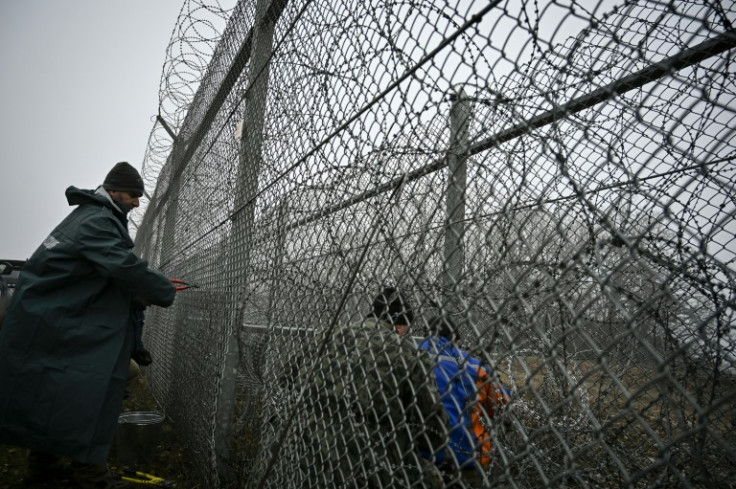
(278, 258)
(169, 233)
(267, 14)
(457, 156)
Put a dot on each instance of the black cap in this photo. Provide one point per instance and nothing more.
(124, 178)
(391, 306)
(442, 326)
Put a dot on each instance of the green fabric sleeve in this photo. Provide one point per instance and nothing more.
(102, 244)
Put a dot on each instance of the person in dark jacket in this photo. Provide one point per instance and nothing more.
(371, 404)
(66, 342)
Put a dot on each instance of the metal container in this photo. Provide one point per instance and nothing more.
(138, 434)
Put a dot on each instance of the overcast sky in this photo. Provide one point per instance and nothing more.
(80, 82)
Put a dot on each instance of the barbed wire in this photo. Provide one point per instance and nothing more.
(573, 217)
(196, 33)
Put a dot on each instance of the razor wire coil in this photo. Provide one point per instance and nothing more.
(554, 177)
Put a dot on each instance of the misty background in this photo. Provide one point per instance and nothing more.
(80, 85)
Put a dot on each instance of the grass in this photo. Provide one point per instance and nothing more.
(588, 424)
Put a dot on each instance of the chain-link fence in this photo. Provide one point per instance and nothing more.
(554, 178)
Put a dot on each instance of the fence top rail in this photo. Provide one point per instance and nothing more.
(686, 58)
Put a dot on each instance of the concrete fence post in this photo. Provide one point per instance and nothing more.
(457, 156)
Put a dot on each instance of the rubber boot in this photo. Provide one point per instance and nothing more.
(44, 468)
(89, 476)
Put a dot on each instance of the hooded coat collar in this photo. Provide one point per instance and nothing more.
(76, 196)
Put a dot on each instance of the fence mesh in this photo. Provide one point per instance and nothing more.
(554, 178)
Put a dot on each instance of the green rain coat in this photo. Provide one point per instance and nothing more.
(66, 341)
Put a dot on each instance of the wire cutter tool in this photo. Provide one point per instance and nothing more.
(181, 285)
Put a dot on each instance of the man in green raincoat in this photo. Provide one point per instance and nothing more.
(66, 341)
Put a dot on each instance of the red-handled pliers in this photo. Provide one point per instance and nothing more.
(183, 285)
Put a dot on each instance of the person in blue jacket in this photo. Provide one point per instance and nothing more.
(470, 397)
(66, 342)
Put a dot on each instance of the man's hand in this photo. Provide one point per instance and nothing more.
(142, 357)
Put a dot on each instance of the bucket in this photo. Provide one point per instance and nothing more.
(137, 437)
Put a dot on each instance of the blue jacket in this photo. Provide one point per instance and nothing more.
(457, 375)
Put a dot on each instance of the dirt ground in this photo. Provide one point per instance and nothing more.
(171, 460)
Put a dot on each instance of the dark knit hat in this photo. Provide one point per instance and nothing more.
(392, 307)
(442, 326)
(124, 178)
